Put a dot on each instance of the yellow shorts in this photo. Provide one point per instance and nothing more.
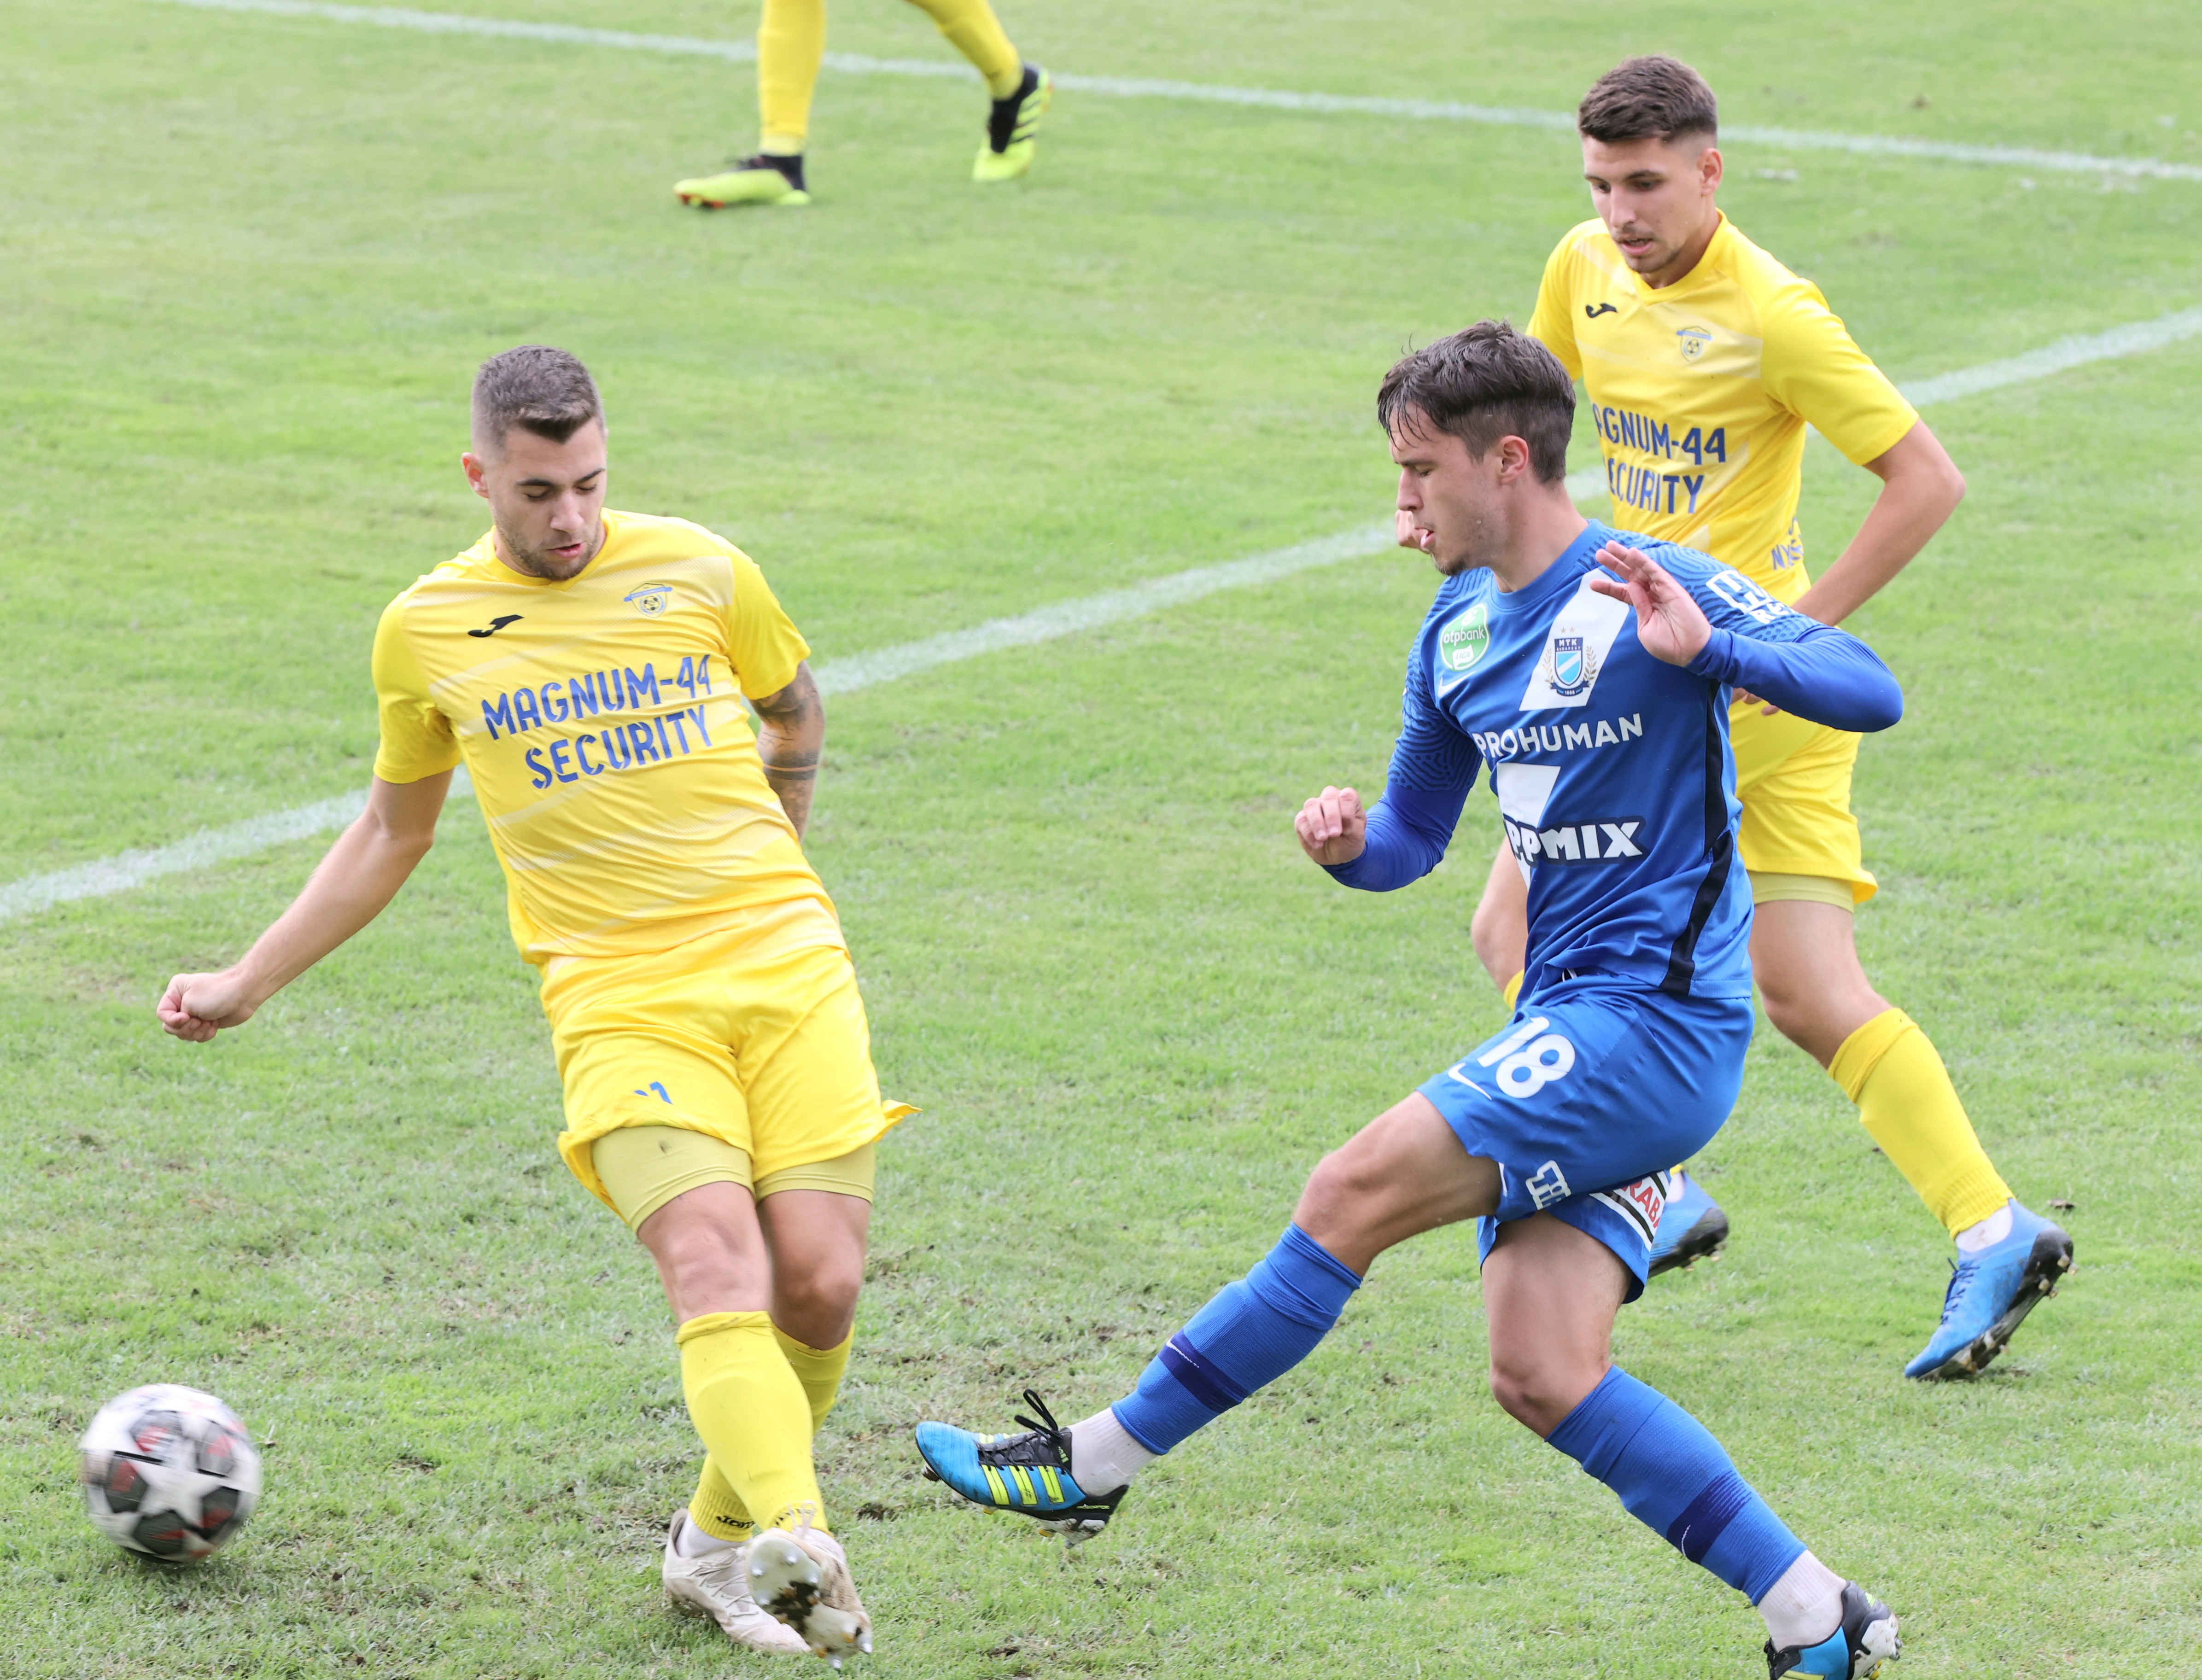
(642, 1167)
(769, 1055)
(1794, 780)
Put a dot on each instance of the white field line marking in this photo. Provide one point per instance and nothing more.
(1091, 612)
(1144, 87)
(128, 870)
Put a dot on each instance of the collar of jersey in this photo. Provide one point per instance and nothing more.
(1560, 577)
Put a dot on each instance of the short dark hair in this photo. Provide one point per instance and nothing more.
(1654, 97)
(1484, 383)
(546, 390)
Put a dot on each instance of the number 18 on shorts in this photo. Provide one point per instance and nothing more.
(1591, 1093)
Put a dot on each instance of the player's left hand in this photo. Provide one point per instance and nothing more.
(1668, 622)
(1767, 708)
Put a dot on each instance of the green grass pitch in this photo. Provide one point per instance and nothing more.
(249, 262)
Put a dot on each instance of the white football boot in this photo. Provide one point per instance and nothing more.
(717, 1585)
(801, 1576)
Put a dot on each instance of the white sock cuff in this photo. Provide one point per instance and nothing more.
(695, 1541)
(1804, 1605)
(1994, 1229)
(1103, 1454)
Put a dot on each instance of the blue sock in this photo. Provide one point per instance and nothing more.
(1250, 1335)
(1675, 1479)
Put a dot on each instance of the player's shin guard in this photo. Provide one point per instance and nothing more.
(1673, 1478)
(820, 1370)
(1250, 1334)
(791, 47)
(1906, 1102)
(714, 1507)
(749, 1406)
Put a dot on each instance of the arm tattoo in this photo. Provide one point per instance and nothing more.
(790, 734)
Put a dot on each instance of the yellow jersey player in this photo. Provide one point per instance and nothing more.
(1704, 360)
(791, 47)
(589, 668)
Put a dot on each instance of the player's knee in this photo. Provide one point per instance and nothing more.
(817, 1305)
(1534, 1389)
(1346, 1181)
(702, 1260)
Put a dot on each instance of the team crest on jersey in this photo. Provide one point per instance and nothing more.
(651, 600)
(1464, 641)
(1570, 667)
(1692, 340)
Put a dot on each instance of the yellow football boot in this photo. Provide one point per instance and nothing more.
(763, 180)
(1012, 127)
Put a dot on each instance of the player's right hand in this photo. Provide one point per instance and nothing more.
(1333, 827)
(1411, 535)
(196, 1006)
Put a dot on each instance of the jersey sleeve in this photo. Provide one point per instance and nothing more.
(1814, 368)
(1434, 767)
(763, 640)
(1822, 674)
(417, 741)
(1551, 324)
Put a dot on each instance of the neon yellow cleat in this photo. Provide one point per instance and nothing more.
(1011, 128)
(754, 181)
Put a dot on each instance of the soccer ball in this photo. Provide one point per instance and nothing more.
(168, 1471)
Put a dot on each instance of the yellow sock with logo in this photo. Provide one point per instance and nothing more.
(974, 30)
(716, 1507)
(1906, 1101)
(791, 46)
(1512, 989)
(749, 1406)
(820, 1370)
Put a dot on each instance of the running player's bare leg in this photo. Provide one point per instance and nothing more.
(816, 1240)
(1804, 957)
(1550, 1293)
(1402, 1174)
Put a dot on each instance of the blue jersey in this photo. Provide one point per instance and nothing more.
(1611, 767)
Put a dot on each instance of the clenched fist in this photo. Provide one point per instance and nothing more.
(1333, 827)
(196, 1006)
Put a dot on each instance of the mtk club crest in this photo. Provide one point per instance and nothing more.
(1569, 669)
(651, 600)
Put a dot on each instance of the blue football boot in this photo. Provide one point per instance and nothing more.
(1990, 1293)
(1690, 1229)
(1861, 1643)
(1027, 1473)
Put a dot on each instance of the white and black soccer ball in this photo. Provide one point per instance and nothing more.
(169, 1472)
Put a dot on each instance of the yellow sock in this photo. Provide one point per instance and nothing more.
(819, 1370)
(716, 1507)
(974, 30)
(747, 1403)
(1512, 989)
(791, 46)
(1905, 1098)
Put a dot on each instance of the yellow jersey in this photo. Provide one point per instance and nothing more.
(1700, 393)
(602, 723)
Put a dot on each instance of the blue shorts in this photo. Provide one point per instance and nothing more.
(1589, 1097)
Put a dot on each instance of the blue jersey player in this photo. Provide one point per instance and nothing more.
(1592, 672)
